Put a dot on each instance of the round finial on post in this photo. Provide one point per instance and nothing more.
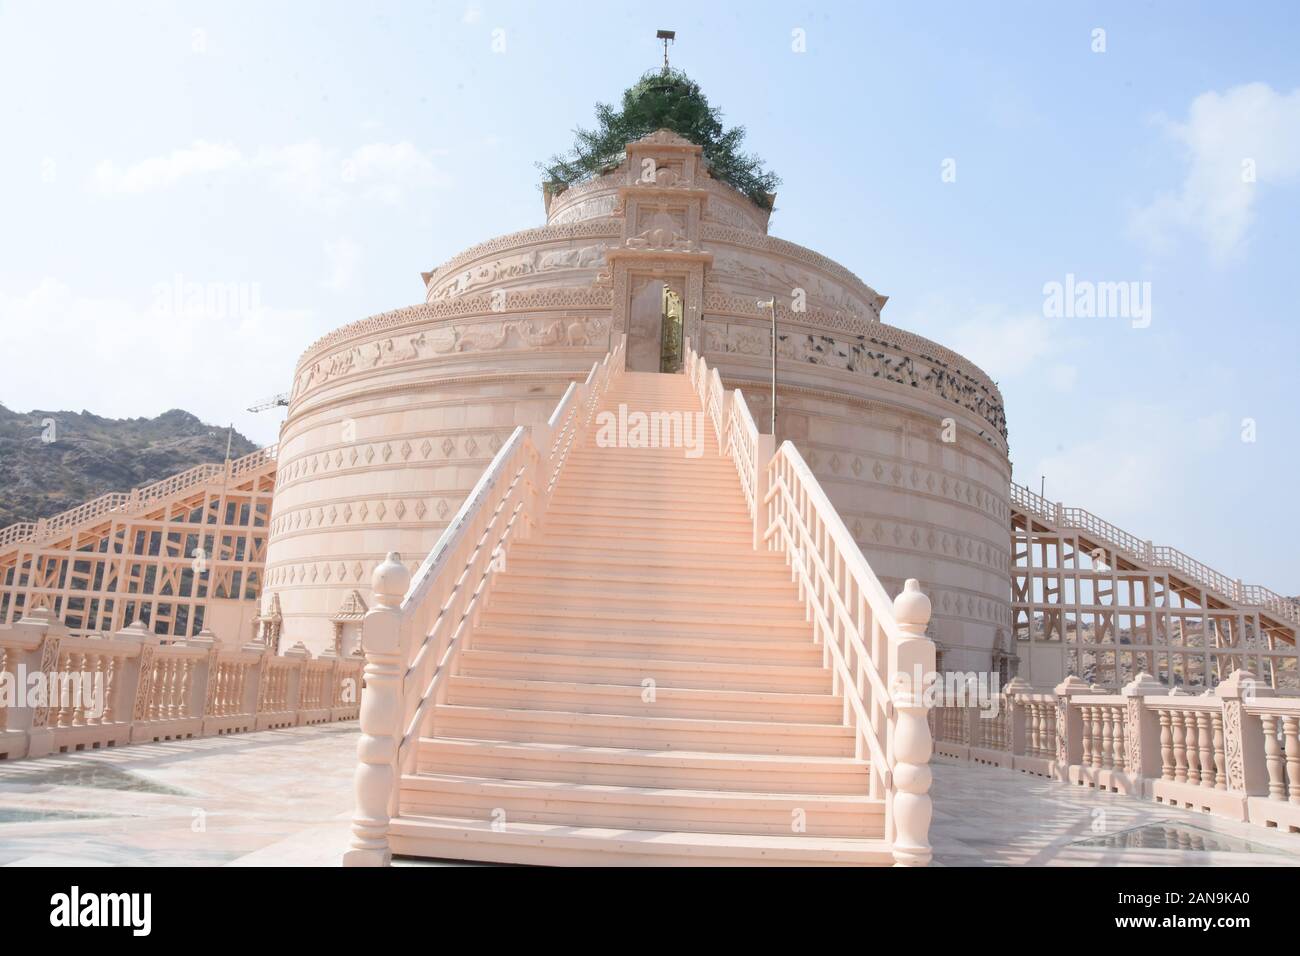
(912, 608)
(390, 581)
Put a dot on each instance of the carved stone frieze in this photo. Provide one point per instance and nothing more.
(534, 262)
(887, 360)
(716, 232)
(487, 334)
(583, 229)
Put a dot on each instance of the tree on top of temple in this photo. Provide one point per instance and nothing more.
(662, 99)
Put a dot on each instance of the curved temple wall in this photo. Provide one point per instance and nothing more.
(393, 418)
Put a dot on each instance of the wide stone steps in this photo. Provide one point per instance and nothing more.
(643, 733)
(591, 521)
(656, 540)
(531, 638)
(641, 623)
(644, 701)
(589, 589)
(640, 808)
(571, 763)
(641, 686)
(654, 501)
(725, 675)
(757, 565)
(550, 844)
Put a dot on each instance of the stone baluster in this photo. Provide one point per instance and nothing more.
(1047, 740)
(1193, 754)
(1206, 741)
(912, 661)
(187, 677)
(93, 663)
(1291, 729)
(169, 695)
(1117, 736)
(112, 667)
(1085, 714)
(158, 689)
(4, 667)
(59, 690)
(77, 700)
(1273, 758)
(1220, 755)
(381, 716)
(1098, 736)
(1180, 748)
(1166, 745)
(1107, 719)
(220, 685)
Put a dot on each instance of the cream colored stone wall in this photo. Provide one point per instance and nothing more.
(379, 458)
(394, 417)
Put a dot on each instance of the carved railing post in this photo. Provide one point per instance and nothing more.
(1069, 726)
(913, 667)
(1243, 733)
(1017, 723)
(1142, 752)
(381, 715)
(41, 620)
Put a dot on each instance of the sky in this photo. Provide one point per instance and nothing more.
(191, 193)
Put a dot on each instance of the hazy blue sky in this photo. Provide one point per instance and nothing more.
(316, 157)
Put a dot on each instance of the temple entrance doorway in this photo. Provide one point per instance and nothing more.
(655, 317)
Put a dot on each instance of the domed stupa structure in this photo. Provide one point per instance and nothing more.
(393, 419)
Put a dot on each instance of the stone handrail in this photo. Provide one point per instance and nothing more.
(134, 501)
(416, 627)
(1234, 752)
(113, 690)
(1146, 553)
(876, 648)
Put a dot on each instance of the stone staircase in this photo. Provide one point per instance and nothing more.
(642, 686)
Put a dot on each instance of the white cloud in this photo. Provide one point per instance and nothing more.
(343, 256)
(1140, 453)
(207, 354)
(159, 172)
(1227, 136)
(1014, 346)
(316, 175)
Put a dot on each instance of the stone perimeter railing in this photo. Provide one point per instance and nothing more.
(1234, 752)
(152, 691)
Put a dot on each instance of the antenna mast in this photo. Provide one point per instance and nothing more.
(668, 36)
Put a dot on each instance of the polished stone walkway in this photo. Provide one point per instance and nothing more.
(985, 816)
(278, 797)
(284, 797)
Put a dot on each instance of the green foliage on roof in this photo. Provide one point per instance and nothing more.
(663, 99)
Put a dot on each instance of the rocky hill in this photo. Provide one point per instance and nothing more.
(47, 468)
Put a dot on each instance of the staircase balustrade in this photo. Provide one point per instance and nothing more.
(880, 657)
(417, 625)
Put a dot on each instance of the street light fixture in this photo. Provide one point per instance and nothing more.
(771, 304)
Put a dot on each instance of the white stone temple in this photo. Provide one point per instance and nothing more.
(712, 643)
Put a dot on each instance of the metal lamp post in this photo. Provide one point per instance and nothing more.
(771, 304)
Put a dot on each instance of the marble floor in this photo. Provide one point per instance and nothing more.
(284, 798)
(985, 816)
